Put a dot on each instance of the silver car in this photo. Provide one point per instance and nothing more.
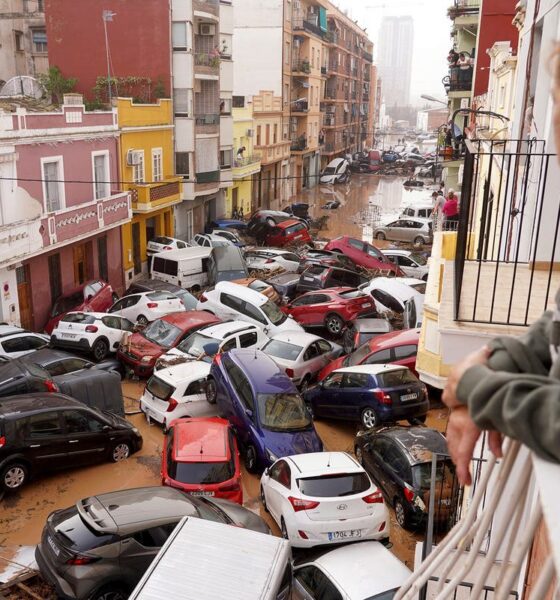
(415, 231)
(99, 548)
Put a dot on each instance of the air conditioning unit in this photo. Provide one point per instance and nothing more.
(207, 29)
(133, 158)
(249, 133)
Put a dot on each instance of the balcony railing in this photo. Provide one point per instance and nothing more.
(203, 59)
(459, 80)
(147, 196)
(299, 144)
(490, 552)
(208, 123)
(308, 24)
(207, 6)
(300, 106)
(368, 56)
(208, 177)
(330, 120)
(251, 159)
(332, 37)
(507, 257)
(301, 66)
(462, 7)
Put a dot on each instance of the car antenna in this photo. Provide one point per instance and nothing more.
(329, 461)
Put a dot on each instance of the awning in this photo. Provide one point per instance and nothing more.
(323, 18)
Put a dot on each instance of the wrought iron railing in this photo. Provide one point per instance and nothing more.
(459, 80)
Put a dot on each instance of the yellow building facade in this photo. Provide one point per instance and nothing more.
(146, 163)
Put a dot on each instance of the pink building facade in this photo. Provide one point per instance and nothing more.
(60, 207)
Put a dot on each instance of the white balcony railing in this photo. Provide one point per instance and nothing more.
(489, 552)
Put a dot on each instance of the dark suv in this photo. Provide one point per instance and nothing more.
(46, 432)
(19, 376)
(323, 277)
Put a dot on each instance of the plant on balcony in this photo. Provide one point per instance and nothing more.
(214, 62)
(56, 84)
(305, 66)
(132, 86)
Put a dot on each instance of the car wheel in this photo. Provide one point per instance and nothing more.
(334, 324)
(380, 236)
(110, 592)
(369, 418)
(359, 455)
(120, 452)
(417, 420)
(418, 241)
(251, 459)
(14, 476)
(100, 349)
(283, 529)
(142, 320)
(211, 391)
(401, 514)
(263, 500)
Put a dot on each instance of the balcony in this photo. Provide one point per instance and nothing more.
(308, 24)
(324, 71)
(459, 80)
(20, 240)
(246, 166)
(206, 65)
(299, 144)
(210, 7)
(332, 37)
(506, 545)
(208, 177)
(274, 152)
(147, 197)
(299, 106)
(463, 7)
(207, 123)
(368, 56)
(330, 120)
(302, 67)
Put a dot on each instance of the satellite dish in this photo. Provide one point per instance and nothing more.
(22, 85)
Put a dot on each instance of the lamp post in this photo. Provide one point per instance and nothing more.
(108, 17)
(432, 99)
(476, 111)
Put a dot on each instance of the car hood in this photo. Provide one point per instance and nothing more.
(140, 346)
(290, 324)
(285, 443)
(240, 515)
(335, 364)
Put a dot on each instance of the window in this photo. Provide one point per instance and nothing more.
(138, 168)
(379, 358)
(356, 244)
(157, 164)
(181, 102)
(154, 537)
(407, 351)
(253, 313)
(179, 36)
(241, 385)
(100, 175)
(275, 134)
(231, 302)
(102, 258)
(238, 101)
(53, 188)
(316, 583)
(259, 135)
(281, 473)
(387, 300)
(182, 164)
(44, 425)
(39, 39)
(18, 35)
(55, 276)
(23, 344)
(80, 422)
(355, 380)
(333, 381)
(324, 346)
(247, 340)
(287, 53)
(226, 157)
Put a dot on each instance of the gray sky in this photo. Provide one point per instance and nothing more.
(432, 38)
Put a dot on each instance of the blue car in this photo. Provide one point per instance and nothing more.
(225, 224)
(263, 405)
(370, 395)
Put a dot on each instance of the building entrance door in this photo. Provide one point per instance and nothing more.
(136, 252)
(24, 297)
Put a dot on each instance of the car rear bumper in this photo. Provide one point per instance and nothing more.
(62, 587)
(397, 413)
(77, 344)
(138, 368)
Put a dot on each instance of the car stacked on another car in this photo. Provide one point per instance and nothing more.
(360, 331)
(287, 233)
(262, 287)
(210, 240)
(57, 362)
(271, 259)
(16, 342)
(320, 277)
(163, 243)
(147, 306)
(146, 284)
(411, 263)
(313, 257)
(363, 254)
(323, 498)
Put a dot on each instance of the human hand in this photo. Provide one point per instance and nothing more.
(478, 357)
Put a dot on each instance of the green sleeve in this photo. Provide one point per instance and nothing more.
(522, 406)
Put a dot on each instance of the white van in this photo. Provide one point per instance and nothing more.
(188, 268)
(422, 210)
(204, 560)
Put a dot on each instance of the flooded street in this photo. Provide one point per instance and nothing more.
(24, 513)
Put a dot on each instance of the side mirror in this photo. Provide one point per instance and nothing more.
(105, 428)
(267, 471)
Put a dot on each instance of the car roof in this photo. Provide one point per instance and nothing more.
(154, 285)
(201, 440)
(6, 330)
(314, 464)
(399, 289)
(127, 511)
(277, 251)
(46, 356)
(397, 252)
(288, 223)
(284, 278)
(300, 338)
(363, 569)
(335, 162)
(185, 253)
(190, 318)
(332, 290)
(395, 338)
(241, 292)
(220, 330)
(418, 442)
(371, 325)
(185, 371)
(80, 288)
(36, 403)
(95, 315)
(265, 376)
(372, 369)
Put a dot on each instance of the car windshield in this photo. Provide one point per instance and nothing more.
(351, 294)
(273, 313)
(283, 412)
(67, 303)
(200, 472)
(198, 345)
(396, 378)
(358, 356)
(419, 259)
(161, 333)
(333, 486)
(373, 252)
(159, 388)
(283, 350)
(444, 475)
(329, 171)
(81, 318)
(230, 275)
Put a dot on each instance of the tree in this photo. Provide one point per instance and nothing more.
(56, 84)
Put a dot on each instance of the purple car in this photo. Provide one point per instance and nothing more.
(263, 405)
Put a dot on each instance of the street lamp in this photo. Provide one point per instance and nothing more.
(108, 17)
(476, 111)
(432, 99)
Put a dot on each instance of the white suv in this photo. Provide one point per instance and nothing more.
(163, 243)
(98, 333)
(210, 240)
(208, 341)
(147, 306)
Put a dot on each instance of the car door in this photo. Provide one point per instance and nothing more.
(397, 470)
(382, 357)
(317, 309)
(374, 456)
(87, 441)
(230, 306)
(405, 355)
(278, 488)
(121, 305)
(325, 404)
(242, 402)
(310, 583)
(352, 396)
(45, 440)
(115, 327)
(320, 356)
(394, 230)
(298, 309)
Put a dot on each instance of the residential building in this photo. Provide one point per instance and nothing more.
(183, 50)
(430, 119)
(24, 39)
(396, 38)
(246, 161)
(61, 206)
(146, 165)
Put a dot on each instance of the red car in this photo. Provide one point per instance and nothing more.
(200, 456)
(288, 232)
(397, 347)
(144, 347)
(330, 308)
(92, 296)
(363, 254)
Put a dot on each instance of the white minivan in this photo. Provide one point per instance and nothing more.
(188, 268)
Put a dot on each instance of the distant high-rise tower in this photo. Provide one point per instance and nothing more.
(395, 59)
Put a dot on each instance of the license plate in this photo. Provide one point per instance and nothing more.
(308, 278)
(202, 493)
(53, 546)
(69, 335)
(298, 237)
(343, 535)
(407, 397)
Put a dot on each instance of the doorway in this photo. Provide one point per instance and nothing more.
(24, 297)
(82, 263)
(150, 229)
(136, 253)
(234, 200)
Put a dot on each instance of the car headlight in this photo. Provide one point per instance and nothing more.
(270, 455)
(136, 430)
(147, 359)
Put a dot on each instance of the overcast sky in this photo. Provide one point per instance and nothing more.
(432, 38)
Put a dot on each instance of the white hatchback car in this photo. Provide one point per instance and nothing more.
(411, 263)
(162, 243)
(351, 572)
(16, 342)
(98, 333)
(270, 259)
(177, 392)
(229, 236)
(209, 340)
(392, 293)
(233, 301)
(301, 355)
(210, 240)
(323, 498)
(147, 306)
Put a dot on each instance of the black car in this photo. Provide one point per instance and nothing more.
(18, 377)
(323, 277)
(285, 285)
(326, 258)
(146, 284)
(399, 459)
(46, 432)
(57, 362)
